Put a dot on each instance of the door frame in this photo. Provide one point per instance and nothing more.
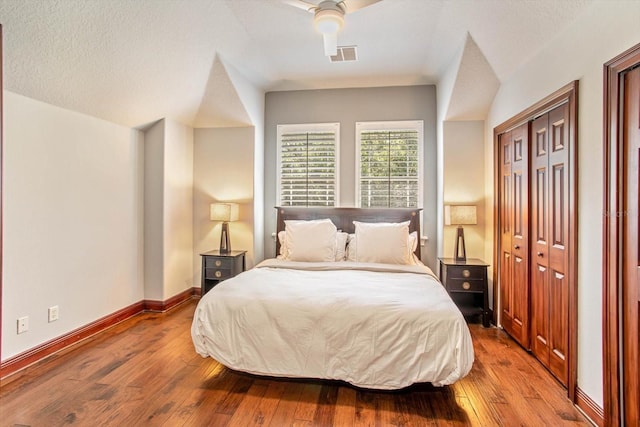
(566, 94)
(612, 234)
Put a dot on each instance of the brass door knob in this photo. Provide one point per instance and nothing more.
(218, 274)
(218, 263)
(466, 286)
(466, 273)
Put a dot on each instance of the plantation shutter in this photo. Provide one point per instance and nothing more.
(389, 168)
(308, 168)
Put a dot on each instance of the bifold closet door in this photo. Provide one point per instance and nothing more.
(549, 240)
(514, 232)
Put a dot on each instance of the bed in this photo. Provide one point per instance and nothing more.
(366, 319)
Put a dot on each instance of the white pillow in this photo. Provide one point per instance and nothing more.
(351, 247)
(312, 241)
(283, 245)
(383, 242)
(412, 243)
(341, 246)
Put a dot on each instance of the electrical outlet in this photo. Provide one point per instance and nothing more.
(53, 313)
(23, 324)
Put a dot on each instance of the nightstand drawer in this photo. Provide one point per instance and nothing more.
(218, 273)
(467, 285)
(218, 263)
(466, 272)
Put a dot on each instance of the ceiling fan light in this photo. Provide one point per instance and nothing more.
(330, 44)
(328, 21)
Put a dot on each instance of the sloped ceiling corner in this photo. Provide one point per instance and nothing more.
(475, 86)
(221, 105)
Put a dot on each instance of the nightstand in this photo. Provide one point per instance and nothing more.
(218, 266)
(467, 284)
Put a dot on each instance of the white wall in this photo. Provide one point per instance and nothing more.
(72, 218)
(604, 30)
(168, 209)
(178, 208)
(222, 171)
(153, 211)
(463, 182)
(348, 106)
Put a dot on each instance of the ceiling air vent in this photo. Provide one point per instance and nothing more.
(345, 53)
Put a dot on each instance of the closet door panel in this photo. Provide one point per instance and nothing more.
(558, 323)
(540, 239)
(506, 291)
(540, 313)
(520, 173)
(519, 234)
(559, 235)
(506, 219)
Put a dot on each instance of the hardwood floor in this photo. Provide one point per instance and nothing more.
(144, 371)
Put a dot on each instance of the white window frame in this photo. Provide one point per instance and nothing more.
(417, 125)
(308, 127)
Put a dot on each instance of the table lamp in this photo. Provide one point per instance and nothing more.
(224, 212)
(460, 215)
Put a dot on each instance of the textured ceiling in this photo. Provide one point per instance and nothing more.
(135, 61)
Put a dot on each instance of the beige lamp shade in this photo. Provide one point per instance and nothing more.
(460, 215)
(224, 212)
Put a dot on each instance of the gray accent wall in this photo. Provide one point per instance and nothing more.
(348, 106)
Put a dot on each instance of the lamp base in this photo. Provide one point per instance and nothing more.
(461, 253)
(225, 241)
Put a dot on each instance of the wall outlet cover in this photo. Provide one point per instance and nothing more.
(54, 313)
(23, 324)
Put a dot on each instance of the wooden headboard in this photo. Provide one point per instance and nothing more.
(343, 218)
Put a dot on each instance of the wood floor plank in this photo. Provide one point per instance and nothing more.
(326, 409)
(470, 413)
(345, 413)
(285, 412)
(365, 409)
(385, 412)
(266, 408)
(145, 372)
(308, 402)
(244, 415)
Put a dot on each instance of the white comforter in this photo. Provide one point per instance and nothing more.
(372, 325)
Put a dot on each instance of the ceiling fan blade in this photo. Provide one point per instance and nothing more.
(301, 4)
(353, 5)
(330, 44)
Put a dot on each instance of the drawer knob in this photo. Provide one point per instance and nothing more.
(466, 286)
(218, 263)
(466, 273)
(218, 274)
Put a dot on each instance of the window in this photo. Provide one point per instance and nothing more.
(308, 164)
(389, 164)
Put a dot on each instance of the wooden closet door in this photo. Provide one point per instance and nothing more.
(505, 221)
(550, 227)
(515, 244)
(631, 252)
(540, 239)
(559, 215)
